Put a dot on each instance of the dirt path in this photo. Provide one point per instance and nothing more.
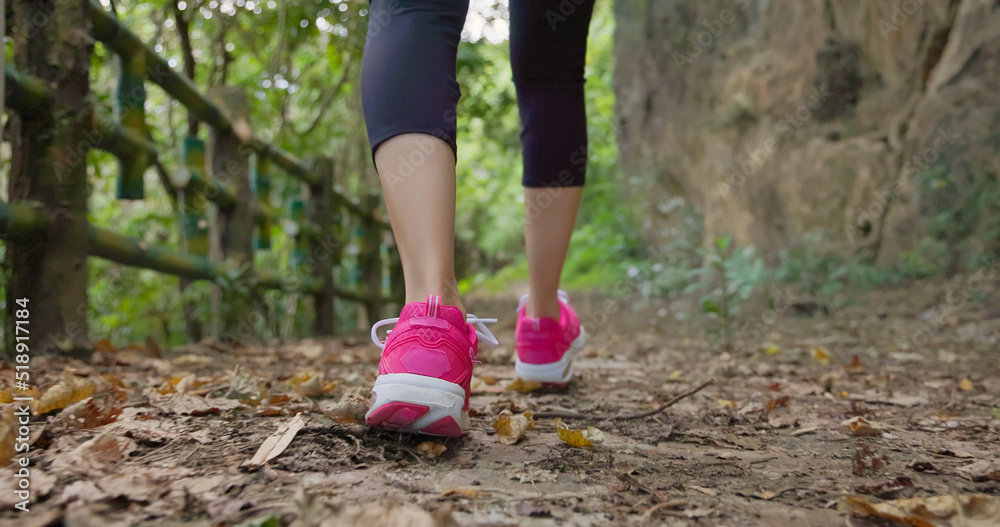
(765, 445)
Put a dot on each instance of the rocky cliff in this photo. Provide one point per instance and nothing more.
(874, 124)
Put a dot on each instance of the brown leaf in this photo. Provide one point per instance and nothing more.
(860, 426)
(489, 380)
(966, 385)
(310, 384)
(277, 442)
(461, 493)
(68, 390)
(703, 490)
(104, 346)
(350, 410)
(8, 433)
(246, 387)
(87, 414)
(522, 386)
(510, 428)
(855, 367)
(969, 510)
(430, 449)
(776, 403)
(982, 470)
(98, 455)
(188, 404)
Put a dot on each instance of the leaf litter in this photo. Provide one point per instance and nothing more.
(774, 453)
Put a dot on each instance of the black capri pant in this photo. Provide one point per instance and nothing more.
(408, 80)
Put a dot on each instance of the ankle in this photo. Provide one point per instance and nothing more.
(543, 307)
(449, 296)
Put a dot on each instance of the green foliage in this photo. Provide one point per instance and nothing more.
(728, 278)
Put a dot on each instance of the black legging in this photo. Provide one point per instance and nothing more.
(408, 78)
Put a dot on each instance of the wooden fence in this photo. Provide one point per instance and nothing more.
(53, 126)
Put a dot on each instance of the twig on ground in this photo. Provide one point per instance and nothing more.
(622, 417)
(669, 504)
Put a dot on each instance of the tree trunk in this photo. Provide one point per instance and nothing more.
(48, 166)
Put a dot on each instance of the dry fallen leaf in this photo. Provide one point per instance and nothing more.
(6, 395)
(460, 493)
(104, 346)
(510, 428)
(187, 404)
(820, 354)
(674, 375)
(860, 426)
(767, 494)
(489, 380)
(310, 384)
(246, 387)
(727, 404)
(430, 449)
(777, 403)
(350, 410)
(855, 367)
(976, 510)
(966, 385)
(703, 490)
(8, 432)
(578, 438)
(102, 454)
(68, 390)
(191, 360)
(982, 470)
(522, 386)
(87, 414)
(277, 442)
(772, 349)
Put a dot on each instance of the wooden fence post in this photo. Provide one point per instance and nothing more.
(234, 226)
(370, 258)
(260, 184)
(49, 275)
(130, 109)
(194, 226)
(322, 246)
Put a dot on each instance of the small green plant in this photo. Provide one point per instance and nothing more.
(729, 277)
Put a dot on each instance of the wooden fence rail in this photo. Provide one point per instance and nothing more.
(45, 227)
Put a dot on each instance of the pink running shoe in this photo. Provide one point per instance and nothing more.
(426, 367)
(545, 346)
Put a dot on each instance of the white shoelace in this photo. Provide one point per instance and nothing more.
(563, 295)
(478, 323)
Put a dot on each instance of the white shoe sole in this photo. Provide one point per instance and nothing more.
(418, 404)
(559, 372)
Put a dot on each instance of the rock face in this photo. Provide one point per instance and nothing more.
(874, 125)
